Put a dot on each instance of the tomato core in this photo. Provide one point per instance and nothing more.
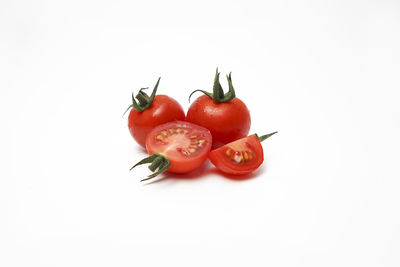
(177, 139)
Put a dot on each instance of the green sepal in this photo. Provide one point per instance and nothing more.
(144, 101)
(262, 138)
(218, 92)
(159, 164)
(204, 92)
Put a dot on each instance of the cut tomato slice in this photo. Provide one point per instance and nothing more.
(239, 157)
(177, 147)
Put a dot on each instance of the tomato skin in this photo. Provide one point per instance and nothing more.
(223, 163)
(180, 163)
(163, 109)
(227, 121)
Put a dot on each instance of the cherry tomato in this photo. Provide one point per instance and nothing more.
(150, 112)
(225, 115)
(241, 156)
(227, 121)
(164, 109)
(177, 147)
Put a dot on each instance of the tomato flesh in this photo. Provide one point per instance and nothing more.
(184, 144)
(163, 109)
(239, 157)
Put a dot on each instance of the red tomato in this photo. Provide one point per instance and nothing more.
(227, 121)
(164, 109)
(177, 147)
(225, 115)
(150, 112)
(240, 157)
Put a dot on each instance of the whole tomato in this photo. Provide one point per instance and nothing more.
(225, 115)
(151, 111)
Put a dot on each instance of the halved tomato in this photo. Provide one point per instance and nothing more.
(241, 156)
(177, 147)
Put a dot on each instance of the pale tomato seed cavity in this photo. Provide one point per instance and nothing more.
(195, 143)
(239, 156)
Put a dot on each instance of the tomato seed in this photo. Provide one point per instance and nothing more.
(246, 156)
(238, 158)
(250, 155)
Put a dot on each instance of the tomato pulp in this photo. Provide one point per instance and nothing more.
(240, 157)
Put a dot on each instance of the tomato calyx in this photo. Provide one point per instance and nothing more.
(159, 164)
(218, 94)
(263, 137)
(144, 101)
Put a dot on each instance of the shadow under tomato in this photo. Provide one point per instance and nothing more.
(244, 177)
(200, 172)
(142, 149)
(206, 169)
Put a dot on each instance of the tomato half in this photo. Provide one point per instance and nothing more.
(163, 109)
(185, 145)
(239, 157)
(227, 121)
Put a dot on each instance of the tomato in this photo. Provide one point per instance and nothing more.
(225, 115)
(241, 156)
(227, 121)
(150, 112)
(164, 109)
(177, 147)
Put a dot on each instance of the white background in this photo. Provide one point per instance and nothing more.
(325, 74)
